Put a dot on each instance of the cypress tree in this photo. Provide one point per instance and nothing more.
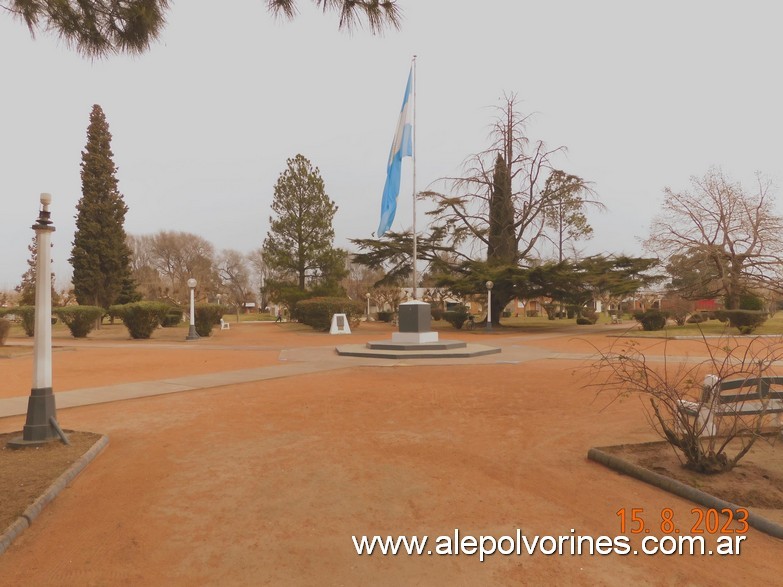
(502, 244)
(100, 256)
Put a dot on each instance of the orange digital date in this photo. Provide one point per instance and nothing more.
(709, 521)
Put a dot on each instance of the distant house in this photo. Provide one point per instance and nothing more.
(707, 305)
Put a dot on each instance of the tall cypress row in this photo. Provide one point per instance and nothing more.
(100, 256)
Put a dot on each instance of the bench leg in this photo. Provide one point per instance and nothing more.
(706, 423)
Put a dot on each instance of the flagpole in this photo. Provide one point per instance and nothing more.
(415, 83)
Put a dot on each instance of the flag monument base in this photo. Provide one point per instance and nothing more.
(415, 321)
(415, 340)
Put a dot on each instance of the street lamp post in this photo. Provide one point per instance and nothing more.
(367, 295)
(489, 285)
(41, 425)
(192, 334)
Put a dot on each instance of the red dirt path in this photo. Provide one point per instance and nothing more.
(265, 483)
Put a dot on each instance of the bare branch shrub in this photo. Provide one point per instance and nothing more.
(681, 409)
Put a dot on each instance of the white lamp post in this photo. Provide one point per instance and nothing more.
(41, 425)
(192, 334)
(489, 285)
(367, 295)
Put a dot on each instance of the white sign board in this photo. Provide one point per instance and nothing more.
(340, 324)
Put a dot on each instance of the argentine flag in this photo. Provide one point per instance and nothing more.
(402, 146)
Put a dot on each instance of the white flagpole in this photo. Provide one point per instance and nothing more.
(415, 83)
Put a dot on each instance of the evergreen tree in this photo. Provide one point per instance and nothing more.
(100, 256)
(501, 241)
(299, 242)
(101, 27)
(26, 289)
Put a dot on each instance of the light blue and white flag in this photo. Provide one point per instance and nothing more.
(402, 146)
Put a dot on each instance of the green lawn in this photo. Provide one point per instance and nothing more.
(773, 326)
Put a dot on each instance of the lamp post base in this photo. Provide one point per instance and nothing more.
(192, 334)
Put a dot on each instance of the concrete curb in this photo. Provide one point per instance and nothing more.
(681, 489)
(33, 510)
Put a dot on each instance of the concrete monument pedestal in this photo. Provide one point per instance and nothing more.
(415, 340)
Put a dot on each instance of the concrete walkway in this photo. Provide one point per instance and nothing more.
(299, 361)
(293, 362)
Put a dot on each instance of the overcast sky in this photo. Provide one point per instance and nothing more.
(202, 124)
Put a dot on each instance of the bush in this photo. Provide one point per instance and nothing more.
(385, 316)
(584, 321)
(651, 319)
(80, 320)
(5, 327)
(696, 318)
(317, 312)
(141, 318)
(456, 318)
(587, 314)
(746, 321)
(437, 313)
(27, 315)
(173, 317)
(206, 317)
(749, 301)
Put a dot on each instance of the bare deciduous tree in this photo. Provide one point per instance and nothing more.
(234, 270)
(163, 262)
(736, 233)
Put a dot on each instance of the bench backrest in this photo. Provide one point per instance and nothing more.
(758, 388)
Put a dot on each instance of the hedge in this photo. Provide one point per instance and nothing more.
(651, 320)
(206, 316)
(317, 312)
(27, 315)
(5, 327)
(385, 316)
(746, 321)
(173, 317)
(141, 318)
(80, 320)
(456, 317)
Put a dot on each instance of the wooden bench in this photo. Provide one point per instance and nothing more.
(750, 396)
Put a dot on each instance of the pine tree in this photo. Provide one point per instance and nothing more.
(100, 256)
(299, 241)
(26, 289)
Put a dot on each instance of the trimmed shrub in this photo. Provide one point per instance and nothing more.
(385, 316)
(456, 318)
(141, 318)
(746, 321)
(587, 314)
(651, 319)
(5, 327)
(750, 301)
(696, 318)
(436, 313)
(206, 317)
(80, 320)
(317, 312)
(581, 320)
(27, 316)
(173, 317)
